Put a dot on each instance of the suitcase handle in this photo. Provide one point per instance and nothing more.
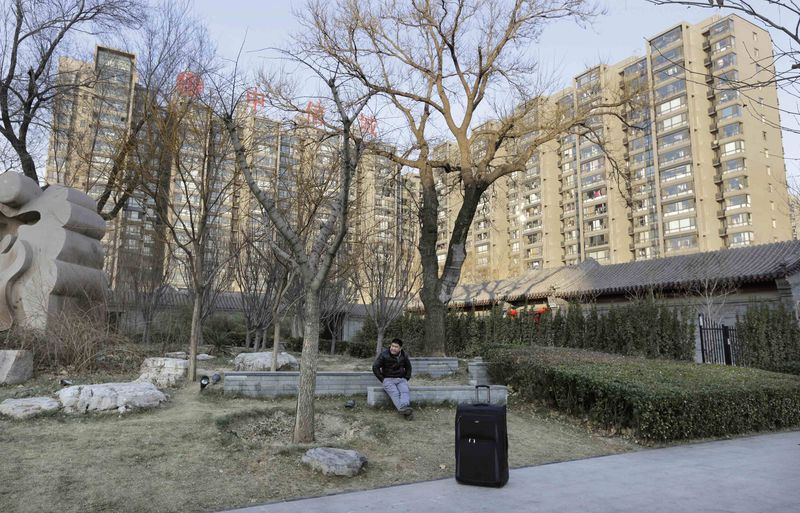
(488, 394)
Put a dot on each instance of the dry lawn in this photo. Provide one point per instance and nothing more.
(205, 452)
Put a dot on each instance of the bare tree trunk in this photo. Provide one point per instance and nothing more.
(435, 319)
(276, 341)
(259, 337)
(249, 338)
(263, 339)
(197, 334)
(334, 338)
(379, 346)
(146, 332)
(304, 416)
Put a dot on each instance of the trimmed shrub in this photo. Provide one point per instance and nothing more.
(657, 400)
(769, 338)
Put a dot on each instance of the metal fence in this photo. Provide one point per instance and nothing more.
(718, 343)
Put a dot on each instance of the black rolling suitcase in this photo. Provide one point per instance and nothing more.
(481, 443)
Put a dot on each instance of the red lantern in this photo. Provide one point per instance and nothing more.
(512, 312)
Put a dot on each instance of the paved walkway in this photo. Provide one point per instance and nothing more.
(755, 474)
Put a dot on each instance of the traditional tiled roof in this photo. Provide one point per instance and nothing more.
(739, 266)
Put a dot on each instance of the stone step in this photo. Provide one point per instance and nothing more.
(458, 394)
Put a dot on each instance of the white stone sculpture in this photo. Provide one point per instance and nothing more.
(51, 259)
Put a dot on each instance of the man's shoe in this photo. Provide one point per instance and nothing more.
(407, 411)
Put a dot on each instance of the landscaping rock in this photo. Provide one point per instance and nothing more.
(335, 462)
(178, 354)
(110, 397)
(15, 367)
(28, 407)
(163, 372)
(203, 357)
(263, 362)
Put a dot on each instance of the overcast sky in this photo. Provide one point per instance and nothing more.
(564, 47)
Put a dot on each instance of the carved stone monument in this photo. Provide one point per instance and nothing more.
(51, 258)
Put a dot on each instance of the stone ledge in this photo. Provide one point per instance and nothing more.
(274, 384)
(434, 366)
(458, 394)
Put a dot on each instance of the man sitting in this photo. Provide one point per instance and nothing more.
(393, 368)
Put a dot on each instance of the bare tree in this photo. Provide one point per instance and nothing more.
(457, 70)
(336, 302)
(387, 272)
(198, 206)
(326, 166)
(35, 34)
(710, 288)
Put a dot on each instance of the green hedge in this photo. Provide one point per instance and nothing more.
(658, 400)
(644, 327)
(769, 338)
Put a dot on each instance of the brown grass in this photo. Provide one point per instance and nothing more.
(205, 452)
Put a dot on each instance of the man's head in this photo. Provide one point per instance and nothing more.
(396, 346)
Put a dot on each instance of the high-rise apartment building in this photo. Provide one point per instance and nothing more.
(191, 165)
(696, 166)
(91, 121)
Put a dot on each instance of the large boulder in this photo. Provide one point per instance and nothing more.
(335, 462)
(163, 372)
(28, 407)
(263, 362)
(109, 397)
(178, 354)
(15, 367)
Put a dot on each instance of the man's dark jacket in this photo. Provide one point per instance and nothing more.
(389, 366)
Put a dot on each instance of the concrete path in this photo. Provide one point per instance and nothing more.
(755, 474)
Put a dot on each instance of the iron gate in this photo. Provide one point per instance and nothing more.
(717, 342)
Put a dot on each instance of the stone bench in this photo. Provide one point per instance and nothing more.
(458, 394)
(275, 384)
(433, 366)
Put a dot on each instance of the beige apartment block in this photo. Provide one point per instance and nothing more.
(91, 121)
(697, 166)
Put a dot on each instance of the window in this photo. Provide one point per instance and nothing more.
(724, 62)
(679, 225)
(763, 136)
(483, 248)
(671, 72)
(675, 121)
(740, 201)
(676, 190)
(722, 45)
(669, 57)
(766, 153)
(736, 184)
(733, 165)
(741, 238)
(730, 130)
(731, 148)
(730, 112)
(742, 219)
(769, 170)
(680, 137)
(721, 28)
(671, 156)
(728, 95)
(514, 247)
(679, 243)
(600, 256)
(678, 207)
(670, 89)
(666, 39)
